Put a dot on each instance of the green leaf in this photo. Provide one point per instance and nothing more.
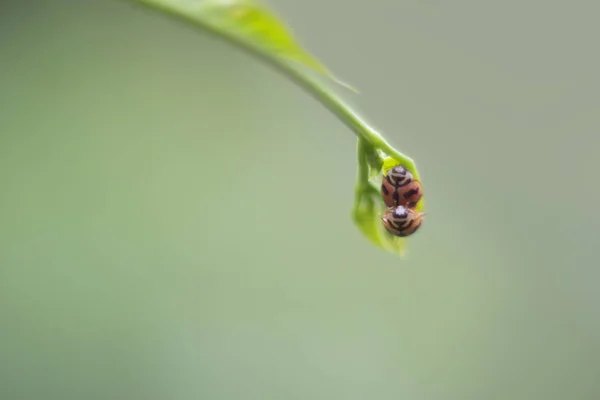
(253, 27)
(368, 203)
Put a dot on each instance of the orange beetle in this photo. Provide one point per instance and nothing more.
(401, 221)
(399, 188)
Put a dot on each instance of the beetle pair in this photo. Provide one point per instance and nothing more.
(401, 193)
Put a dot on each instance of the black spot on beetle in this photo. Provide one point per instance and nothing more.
(410, 193)
(385, 190)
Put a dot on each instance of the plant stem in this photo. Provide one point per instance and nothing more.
(188, 12)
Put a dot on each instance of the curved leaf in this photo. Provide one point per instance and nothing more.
(253, 26)
(368, 204)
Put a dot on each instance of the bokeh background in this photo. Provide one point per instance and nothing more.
(174, 215)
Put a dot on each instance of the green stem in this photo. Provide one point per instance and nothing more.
(362, 150)
(188, 12)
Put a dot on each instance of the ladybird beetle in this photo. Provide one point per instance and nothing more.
(399, 188)
(401, 221)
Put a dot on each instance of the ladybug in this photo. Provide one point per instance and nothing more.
(402, 221)
(399, 188)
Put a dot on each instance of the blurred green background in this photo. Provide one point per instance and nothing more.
(174, 215)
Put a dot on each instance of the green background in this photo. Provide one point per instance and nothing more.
(175, 216)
